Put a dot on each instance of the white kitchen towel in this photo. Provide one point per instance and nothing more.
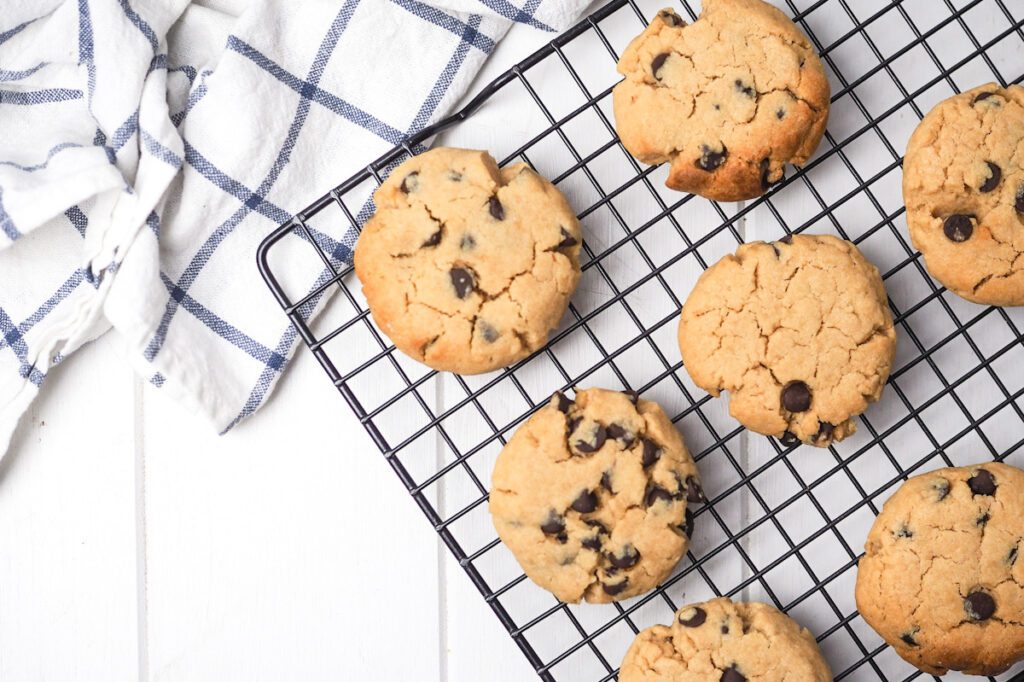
(146, 148)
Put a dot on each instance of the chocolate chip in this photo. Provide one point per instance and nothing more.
(1011, 557)
(687, 526)
(982, 520)
(496, 209)
(462, 280)
(670, 17)
(941, 487)
(796, 396)
(765, 168)
(982, 483)
(598, 438)
(615, 588)
(710, 159)
(554, 524)
(567, 240)
(593, 542)
(571, 425)
(562, 538)
(467, 243)
(487, 332)
(621, 434)
(979, 606)
(657, 63)
(432, 240)
(651, 454)
(788, 439)
(780, 114)
(586, 502)
(626, 559)
(562, 402)
(616, 431)
(1019, 200)
(745, 89)
(725, 628)
(632, 395)
(732, 675)
(908, 638)
(594, 523)
(788, 239)
(958, 227)
(995, 175)
(982, 96)
(410, 183)
(655, 494)
(693, 617)
(606, 481)
(778, 254)
(694, 493)
(825, 431)
(904, 532)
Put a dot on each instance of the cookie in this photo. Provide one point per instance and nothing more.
(727, 641)
(728, 100)
(798, 331)
(590, 496)
(941, 581)
(467, 267)
(963, 185)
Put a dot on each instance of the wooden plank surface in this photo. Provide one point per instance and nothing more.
(68, 579)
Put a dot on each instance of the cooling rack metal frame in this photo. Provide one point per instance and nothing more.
(968, 333)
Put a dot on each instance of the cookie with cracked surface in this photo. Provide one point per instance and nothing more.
(590, 496)
(728, 641)
(941, 581)
(963, 184)
(798, 332)
(467, 267)
(728, 100)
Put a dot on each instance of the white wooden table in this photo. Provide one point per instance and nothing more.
(137, 544)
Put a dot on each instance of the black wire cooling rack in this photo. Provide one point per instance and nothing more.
(781, 524)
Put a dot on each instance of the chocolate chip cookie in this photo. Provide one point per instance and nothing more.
(726, 641)
(963, 185)
(728, 100)
(941, 581)
(798, 331)
(467, 267)
(590, 496)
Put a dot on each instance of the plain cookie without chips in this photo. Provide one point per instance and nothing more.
(590, 496)
(942, 580)
(725, 641)
(728, 100)
(467, 267)
(963, 184)
(799, 333)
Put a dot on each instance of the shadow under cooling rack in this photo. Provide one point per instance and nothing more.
(782, 525)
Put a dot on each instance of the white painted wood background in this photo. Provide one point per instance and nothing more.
(137, 545)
